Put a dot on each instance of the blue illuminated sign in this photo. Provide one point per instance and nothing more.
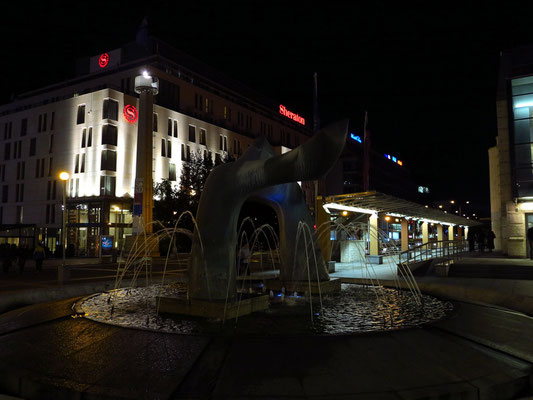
(353, 136)
(394, 159)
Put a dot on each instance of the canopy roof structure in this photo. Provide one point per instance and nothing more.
(375, 202)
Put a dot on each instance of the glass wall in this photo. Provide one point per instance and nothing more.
(522, 114)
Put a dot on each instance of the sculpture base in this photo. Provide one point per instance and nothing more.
(324, 287)
(210, 309)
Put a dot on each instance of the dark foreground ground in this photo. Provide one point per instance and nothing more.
(481, 352)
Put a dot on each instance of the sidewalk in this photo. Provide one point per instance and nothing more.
(85, 276)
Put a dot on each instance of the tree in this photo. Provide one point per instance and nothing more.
(174, 200)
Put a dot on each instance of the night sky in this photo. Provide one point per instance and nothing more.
(426, 76)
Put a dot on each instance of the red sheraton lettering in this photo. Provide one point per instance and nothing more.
(291, 115)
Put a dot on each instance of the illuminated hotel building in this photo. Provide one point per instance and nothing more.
(87, 126)
(511, 160)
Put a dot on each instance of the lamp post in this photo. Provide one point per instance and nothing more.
(64, 176)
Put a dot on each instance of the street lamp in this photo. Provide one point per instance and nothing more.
(64, 176)
(117, 209)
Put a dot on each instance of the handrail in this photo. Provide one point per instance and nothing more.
(447, 249)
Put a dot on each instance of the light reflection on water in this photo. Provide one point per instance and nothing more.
(356, 309)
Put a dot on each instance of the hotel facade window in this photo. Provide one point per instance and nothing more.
(110, 109)
(80, 119)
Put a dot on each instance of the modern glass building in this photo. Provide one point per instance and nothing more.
(511, 160)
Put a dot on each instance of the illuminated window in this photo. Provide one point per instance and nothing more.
(110, 110)
(171, 172)
(107, 185)
(81, 115)
(109, 135)
(192, 134)
(108, 160)
(202, 136)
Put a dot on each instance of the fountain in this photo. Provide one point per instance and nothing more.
(211, 292)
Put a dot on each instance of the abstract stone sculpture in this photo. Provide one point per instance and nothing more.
(258, 175)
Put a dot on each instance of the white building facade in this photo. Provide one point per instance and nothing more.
(88, 127)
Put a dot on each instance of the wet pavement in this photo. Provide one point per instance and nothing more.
(480, 352)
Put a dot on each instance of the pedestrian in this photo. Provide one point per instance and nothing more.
(21, 259)
(490, 240)
(481, 241)
(471, 237)
(244, 259)
(38, 256)
(530, 240)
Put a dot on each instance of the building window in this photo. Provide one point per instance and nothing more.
(90, 138)
(40, 123)
(83, 138)
(183, 155)
(169, 149)
(20, 214)
(5, 193)
(110, 110)
(227, 113)
(192, 134)
(225, 144)
(33, 146)
(82, 166)
(7, 151)
(81, 114)
(108, 160)
(202, 136)
(76, 164)
(44, 122)
(169, 127)
(107, 185)
(51, 144)
(172, 172)
(188, 153)
(24, 127)
(155, 122)
(109, 135)
(52, 121)
(8, 126)
(50, 163)
(175, 128)
(163, 153)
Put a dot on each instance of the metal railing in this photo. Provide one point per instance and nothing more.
(446, 249)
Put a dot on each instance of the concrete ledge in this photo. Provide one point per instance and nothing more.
(323, 287)
(209, 309)
(374, 259)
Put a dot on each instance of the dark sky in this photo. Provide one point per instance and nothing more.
(426, 76)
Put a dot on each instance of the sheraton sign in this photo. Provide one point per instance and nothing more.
(291, 115)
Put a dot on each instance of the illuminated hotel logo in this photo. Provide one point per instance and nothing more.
(394, 159)
(353, 136)
(291, 115)
(130, 113)
(103, 60)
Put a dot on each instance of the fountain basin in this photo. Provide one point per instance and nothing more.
(316, 288)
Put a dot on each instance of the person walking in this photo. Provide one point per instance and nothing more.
(481, 241)
(471, 237)
(244, 259)
(38, 256)
(490, 240)
(530, 240)
(21, 259)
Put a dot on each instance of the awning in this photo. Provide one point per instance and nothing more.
(375, 202)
